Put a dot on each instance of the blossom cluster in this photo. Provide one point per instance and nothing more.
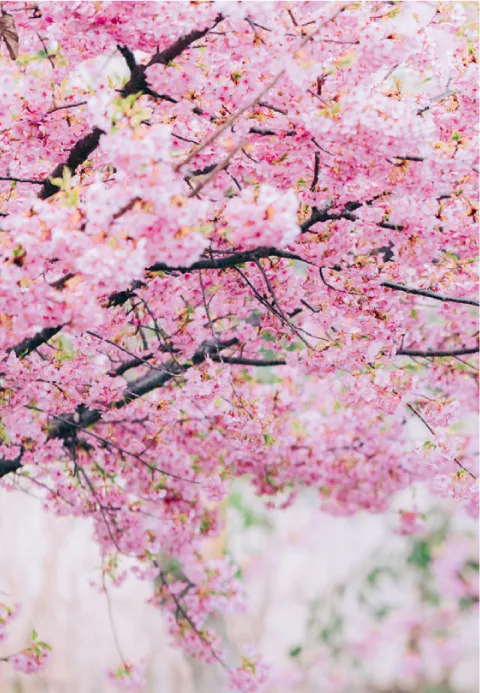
(237, 239)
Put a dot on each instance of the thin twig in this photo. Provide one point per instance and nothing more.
(22, 180)
(67, 105)
(235, 116)
(429, 294)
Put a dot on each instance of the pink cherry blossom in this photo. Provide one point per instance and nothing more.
(238, 240)
(129, 677)
(31, 660)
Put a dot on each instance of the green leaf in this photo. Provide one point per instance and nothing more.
(295, 651)
(3, 433)
(249, 517)
(269, 439)
(295, 346)
(420, 555)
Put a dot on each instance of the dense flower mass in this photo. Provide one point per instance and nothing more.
(237, 239)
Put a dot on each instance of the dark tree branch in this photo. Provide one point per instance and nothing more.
(152, 381)
(202, 171)
(264, 104)
(60, 283)
(127, 365)
(181, 44)
(26, 346)
(266, 132)
(459, 464)
(78, 155)
(118, 298)
(392, 227)
(14, 179)
(439, 354)
(137, 84)
(316, 171)
(67, 105)
(238, 361)
(429, 294)
(410, 157)
(225, 262)
(9, 466)
(129, 58)
(322, 215)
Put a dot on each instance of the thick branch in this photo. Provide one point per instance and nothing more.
(316, 171)
(390, 226)
(181, 44)
(78, 155)
(66, 426)
(152, 381)
(269, 133)
(9, 466)
(137, 84)
(29, 344)
(319, 215)
(229, 261)
(118, 298)
(127, 365)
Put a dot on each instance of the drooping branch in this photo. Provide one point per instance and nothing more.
(432, 431)
(142, 386)
(67, 425)
(233, 260)
(118, 298)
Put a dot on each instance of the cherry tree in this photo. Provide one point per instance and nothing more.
(237, 240)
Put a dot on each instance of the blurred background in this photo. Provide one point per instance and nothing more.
(333, 603)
